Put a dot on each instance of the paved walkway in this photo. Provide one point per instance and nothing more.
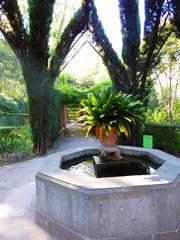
(17, 193)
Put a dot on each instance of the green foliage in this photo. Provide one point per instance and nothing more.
(74, 91)
(57, 101)
(11, 112)
(159, 116)
(130, 32)
(131, 74)
(165, 137)
(15, 139)
(107, 110)
(116, 69)
(73, 112)
(153, 100)
(176, 16)
(61, 19)
(156, 116)
(13, 97)
(167, 76)
(13, 119)
(32, 48)
(170, 51)
(101, 87)
(8, 105)
(11, 79)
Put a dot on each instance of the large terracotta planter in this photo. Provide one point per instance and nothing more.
(109, 140)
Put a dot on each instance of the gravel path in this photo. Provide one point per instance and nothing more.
(17, 192)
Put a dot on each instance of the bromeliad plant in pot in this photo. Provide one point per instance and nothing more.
(110, 114)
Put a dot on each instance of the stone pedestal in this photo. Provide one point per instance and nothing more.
(107, 168)
(110, 153)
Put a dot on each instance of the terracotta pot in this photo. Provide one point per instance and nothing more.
(111, 139)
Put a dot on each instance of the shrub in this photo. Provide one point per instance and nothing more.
(99, 87)
(13, 119)
(165, 137)
(8, 105)
(15, 139)
(74, 92)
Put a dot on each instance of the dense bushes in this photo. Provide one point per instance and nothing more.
(13, 119)
(165, 137)
(15, 133)
(11, 112)
(15, 139)
(74, 92)
(99, 87)
(8, 105)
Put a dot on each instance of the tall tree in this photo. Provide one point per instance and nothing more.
(32, 50)
(168, 75)
(131, 73)
(176, 16)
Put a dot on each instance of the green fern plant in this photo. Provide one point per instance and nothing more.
(108, 109)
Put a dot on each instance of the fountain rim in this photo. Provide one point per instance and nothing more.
(167, 175)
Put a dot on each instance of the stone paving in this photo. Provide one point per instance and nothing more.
(17, 193)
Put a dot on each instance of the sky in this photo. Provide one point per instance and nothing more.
(108, 12)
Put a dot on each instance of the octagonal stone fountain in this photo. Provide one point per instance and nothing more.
(72, 206)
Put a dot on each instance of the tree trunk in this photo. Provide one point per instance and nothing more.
(39, 111)
(39, 94)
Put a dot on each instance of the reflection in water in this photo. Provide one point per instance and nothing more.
(85, 168)
(93, 166)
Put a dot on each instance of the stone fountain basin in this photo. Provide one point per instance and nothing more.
(141, 207)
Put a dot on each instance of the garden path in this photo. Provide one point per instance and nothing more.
(17, 192)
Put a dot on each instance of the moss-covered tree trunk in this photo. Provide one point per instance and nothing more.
(39, 92)
(39, 118)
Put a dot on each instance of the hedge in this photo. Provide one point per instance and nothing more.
(13, 119)
(165, 137)
(8, 105)
(9, 122)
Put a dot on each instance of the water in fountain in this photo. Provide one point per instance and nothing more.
(109, 163)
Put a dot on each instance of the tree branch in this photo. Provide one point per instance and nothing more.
(176, 11)
(152, 28)
(155, 56)
(78, 23)
(40, 14)
(115, 67)
(15, 33)
(130, 29)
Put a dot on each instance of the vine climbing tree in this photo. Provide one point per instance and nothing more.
(31, 46)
